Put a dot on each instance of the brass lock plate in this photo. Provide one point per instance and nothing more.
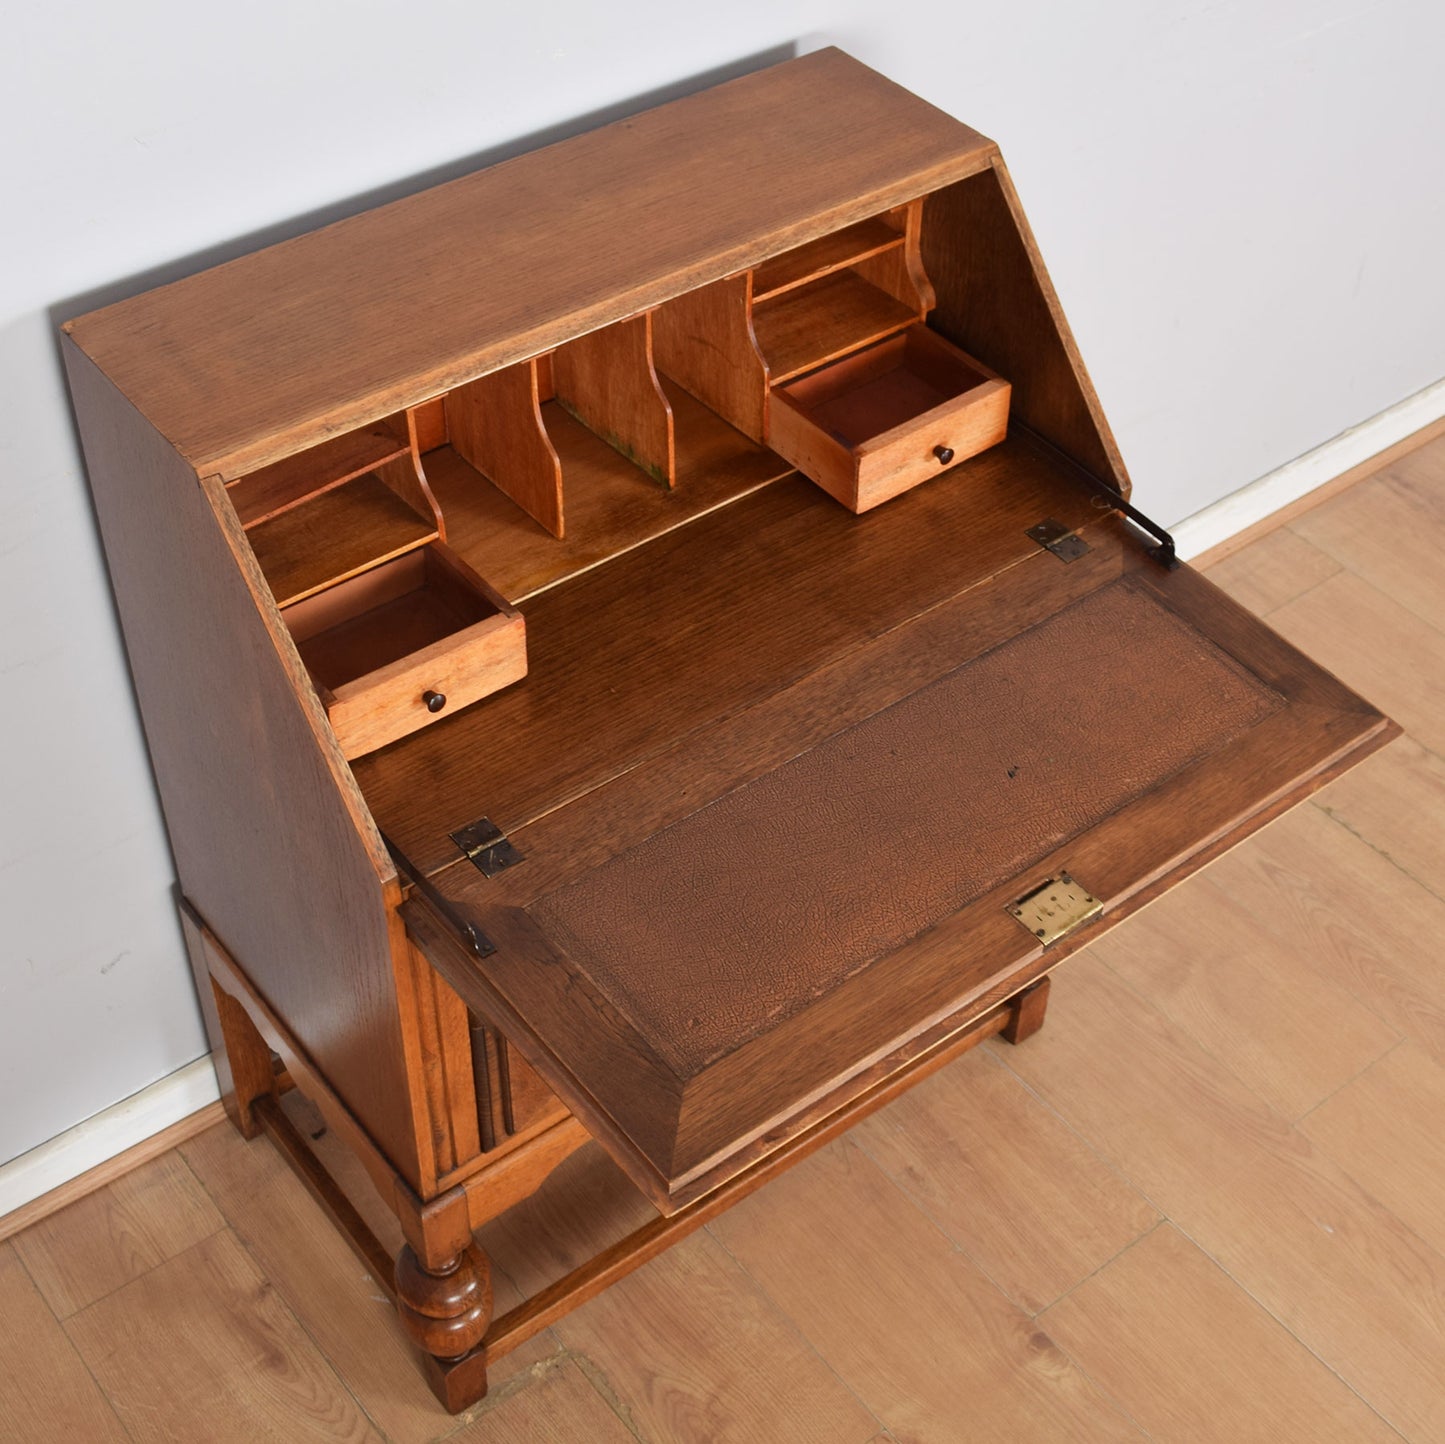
(1056, 908)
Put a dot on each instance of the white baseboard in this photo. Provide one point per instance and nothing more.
(1288, 483)
(107, 1133)
(181, 1093)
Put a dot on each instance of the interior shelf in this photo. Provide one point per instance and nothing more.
(335, 535)
(828, 253)
(276, 489)
(806, 327)
(611, 507)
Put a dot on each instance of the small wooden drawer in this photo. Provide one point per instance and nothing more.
(884, 419)
(405, 644)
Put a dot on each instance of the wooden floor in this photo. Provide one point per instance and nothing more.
(1206, 1203)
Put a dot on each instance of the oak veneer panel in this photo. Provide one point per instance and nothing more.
(610, 508)
(840, 1248)
(1193, 1358)
(206, 1336)
(705, 621)
(1024, 1197)
(1356, 1286)
(1249, 992)
(46, 1392)
(495, 423)
(704, 340)
(126, 1229)
(505, 264)
(996, 302)
(700, 1351)
(309, 1264)
(744, 745)
(1383, 1129)
(205, 640)
(606, 379)
(1377, 645)
(560, 1405)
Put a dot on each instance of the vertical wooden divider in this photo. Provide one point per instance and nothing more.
(606, 379)
(428, 423)
(495, 423)
(704, 340)
(900, 272)
(404, 474)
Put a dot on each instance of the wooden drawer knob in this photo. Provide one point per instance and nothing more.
(435, 701)
(944, 454)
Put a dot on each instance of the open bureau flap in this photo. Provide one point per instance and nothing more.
(720, 946)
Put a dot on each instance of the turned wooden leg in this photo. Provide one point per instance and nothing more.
(1028, 1008)
(240, 1055)
(444, 1295)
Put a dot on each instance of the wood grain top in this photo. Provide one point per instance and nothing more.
(243, 364)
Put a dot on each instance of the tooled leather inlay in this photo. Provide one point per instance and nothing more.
(722, 925)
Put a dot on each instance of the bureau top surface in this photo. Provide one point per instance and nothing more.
(252, 360)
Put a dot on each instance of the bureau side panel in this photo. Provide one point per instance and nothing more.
(996, 301)
(272, 843)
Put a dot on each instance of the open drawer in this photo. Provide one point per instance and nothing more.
(719, 948)
(886, 418)
(404, 644)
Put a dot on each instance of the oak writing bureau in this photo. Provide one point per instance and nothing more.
(649, 642)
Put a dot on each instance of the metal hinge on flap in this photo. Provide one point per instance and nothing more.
(486, 847)
(476, 939)
(1055, 909)
(1055, 537)
(1068, 546)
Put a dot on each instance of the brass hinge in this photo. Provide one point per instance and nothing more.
(1055, 537)
(486, 847)
(1054, 909)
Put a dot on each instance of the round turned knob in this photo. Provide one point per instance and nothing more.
(944, 454)
(435, 701)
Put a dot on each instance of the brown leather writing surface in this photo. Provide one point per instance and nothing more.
(738, 917)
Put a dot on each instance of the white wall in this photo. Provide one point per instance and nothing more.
(1241, 204)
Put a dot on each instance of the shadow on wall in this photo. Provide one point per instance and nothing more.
(79, 304)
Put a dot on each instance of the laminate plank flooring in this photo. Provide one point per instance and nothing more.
(1242, 988)
(102, 1242)
(202, 1347)
(46, 1392)
(698, 1349)
(324, 1285)
(1006, 1179)
(1397, 805)
(1192, 1356)
(1384, 1130)
(1204, 1204)
(898, 1310)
